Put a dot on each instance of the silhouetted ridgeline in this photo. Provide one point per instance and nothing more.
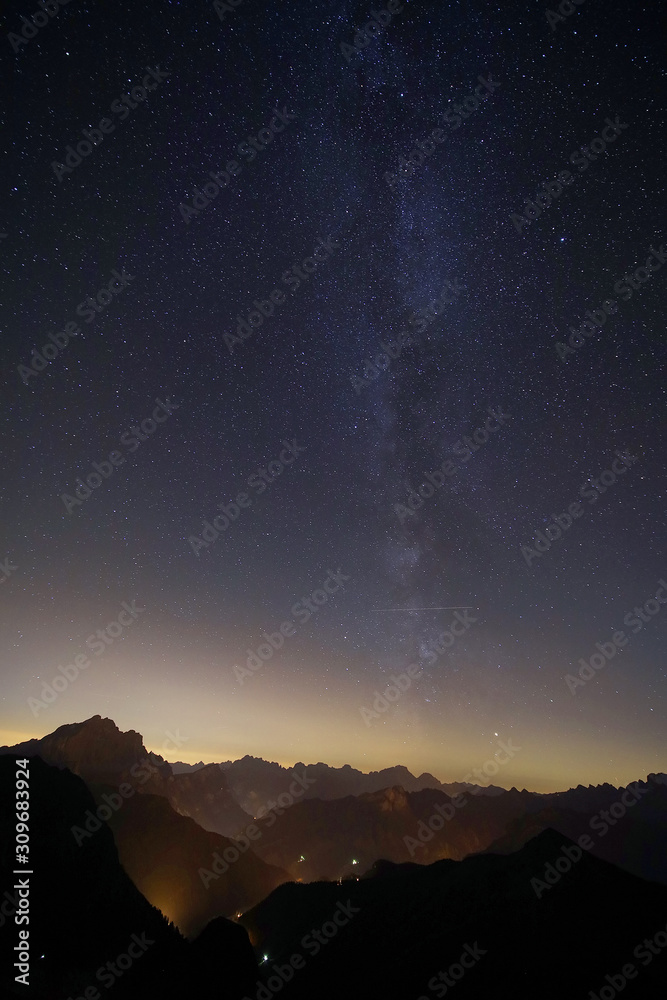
(517, 909)
(85, 911)
(411, 922)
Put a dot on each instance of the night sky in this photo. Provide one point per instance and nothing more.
(318, 210)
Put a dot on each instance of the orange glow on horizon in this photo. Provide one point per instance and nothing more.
(9, 737)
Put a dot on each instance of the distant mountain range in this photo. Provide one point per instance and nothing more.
(254, 781)
(331, 836)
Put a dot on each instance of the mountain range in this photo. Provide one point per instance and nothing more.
(229, 867)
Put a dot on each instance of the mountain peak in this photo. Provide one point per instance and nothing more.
(96, 748)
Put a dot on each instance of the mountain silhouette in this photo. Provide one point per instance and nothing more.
(414, 921)
(163, 851)
(85, 911)
(254, 781)
(405, 883)
(330, 835)
(635, 841)
(103, 755)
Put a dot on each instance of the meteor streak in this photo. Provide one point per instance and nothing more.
(458, 607)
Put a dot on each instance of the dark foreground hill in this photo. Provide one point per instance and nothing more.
(493, 926)
(85, 912)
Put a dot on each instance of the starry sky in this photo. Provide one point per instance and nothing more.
(324, 212)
